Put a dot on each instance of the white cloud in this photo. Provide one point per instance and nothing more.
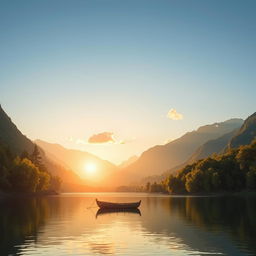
(174, 115)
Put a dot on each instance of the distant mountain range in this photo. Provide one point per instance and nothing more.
(153, 164)
(238, 137)
(159, 159)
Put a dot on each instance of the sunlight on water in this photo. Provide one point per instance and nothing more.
(63, 225)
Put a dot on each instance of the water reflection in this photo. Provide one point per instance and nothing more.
(20, 219)
(62, 225)
(117, 211)
(99, 248)
(233, 215)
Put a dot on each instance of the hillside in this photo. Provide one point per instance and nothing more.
(158, 159)
(212, 146)
(246, 133)
(209, 148)
(128, 162)
(11, 137)
(77, 160)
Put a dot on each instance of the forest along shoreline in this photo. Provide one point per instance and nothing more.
(26, 175)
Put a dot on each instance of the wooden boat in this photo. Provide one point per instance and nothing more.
(106, 211)
(109, 205)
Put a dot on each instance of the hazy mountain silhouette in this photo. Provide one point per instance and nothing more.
(159, 159)
(76, 159)
(128, 162)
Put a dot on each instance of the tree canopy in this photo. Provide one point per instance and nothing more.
(25, 173)
(235, 170)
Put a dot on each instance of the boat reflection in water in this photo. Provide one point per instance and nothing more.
(105, 211)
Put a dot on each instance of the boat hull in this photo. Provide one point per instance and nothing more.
(109, 205)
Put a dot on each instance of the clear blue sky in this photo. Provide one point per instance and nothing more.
(78, 68)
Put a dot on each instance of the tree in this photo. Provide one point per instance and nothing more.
(44, 181)
(24, 176)
(4, 182)
(194, 181)
(155, 188)
(24, 154)
(247, 156)
(175, 185)
(5, 163)
(251, 179)
(148, 186)
(215, 180)
(37, 159)
(55, 183)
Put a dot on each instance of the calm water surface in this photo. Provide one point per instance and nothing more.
(62, 225)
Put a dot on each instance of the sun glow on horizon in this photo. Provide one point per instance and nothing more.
(90, 168)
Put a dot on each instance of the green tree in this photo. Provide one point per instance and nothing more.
(24, 176)
(251, 179)
(4, 175)
(44, 181)
(5, 161)
(216, 181)
(246, 156)
(194, 181)
(175, 185)
(36, 158)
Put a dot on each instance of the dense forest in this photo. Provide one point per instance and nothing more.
(234, 170)
(25, 173)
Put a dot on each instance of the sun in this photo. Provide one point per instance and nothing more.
(90, 168)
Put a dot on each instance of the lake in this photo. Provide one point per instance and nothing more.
(165, 225)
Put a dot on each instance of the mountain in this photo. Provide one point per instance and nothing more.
(236, 138)
(159, 159)
(11, 137)
(129, 161)
(246, 133)
(77, 160)
(209, 148)
(212, 146)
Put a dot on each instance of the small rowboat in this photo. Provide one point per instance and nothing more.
(108, 205)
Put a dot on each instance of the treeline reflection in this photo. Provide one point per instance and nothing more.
(234, 214)
(21, 219)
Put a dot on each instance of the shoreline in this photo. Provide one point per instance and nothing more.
(223, 193)
(4, 195)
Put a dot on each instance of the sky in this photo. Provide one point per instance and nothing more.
(116, 77)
